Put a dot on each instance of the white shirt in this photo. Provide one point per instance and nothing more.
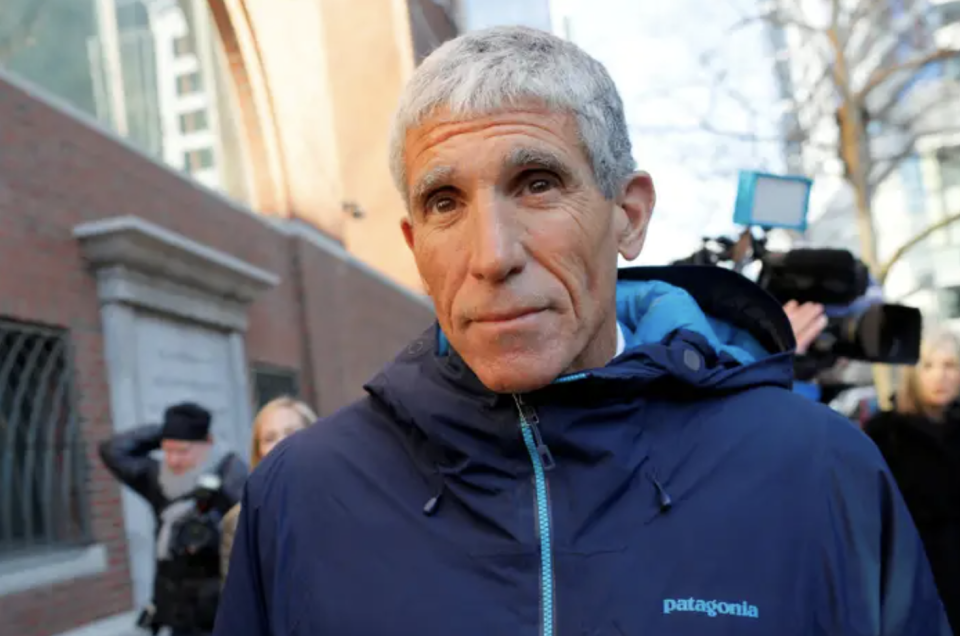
(621, 341)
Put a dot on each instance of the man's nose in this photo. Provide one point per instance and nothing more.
(497, 250)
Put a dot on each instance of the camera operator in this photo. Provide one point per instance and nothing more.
(808, 321)
(189, 490)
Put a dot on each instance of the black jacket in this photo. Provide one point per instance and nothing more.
(127, 456)
(186, 593)
(682, 490)
(924, 457)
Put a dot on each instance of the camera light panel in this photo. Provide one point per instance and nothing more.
(772, 201)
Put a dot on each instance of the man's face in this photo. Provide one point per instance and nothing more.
(516, 244)
(181, 456)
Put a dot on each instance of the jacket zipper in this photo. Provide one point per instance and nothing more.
(542, 461)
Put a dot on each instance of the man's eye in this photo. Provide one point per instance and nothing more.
(539, 185)
(441, 205)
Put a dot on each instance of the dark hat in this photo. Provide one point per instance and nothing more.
(188, 422)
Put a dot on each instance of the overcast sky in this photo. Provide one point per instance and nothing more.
(653, 51)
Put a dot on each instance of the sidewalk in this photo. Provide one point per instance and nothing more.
(119, 625)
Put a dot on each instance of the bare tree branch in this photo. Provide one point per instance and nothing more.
(777, 18)
(851, 42)
(894, 32)
(900, 300)
(890, 164)
(881, 75)
(914, 241)
(745, 136)
(774, 17)
(705, 127)
(896, 99)
(860, 12)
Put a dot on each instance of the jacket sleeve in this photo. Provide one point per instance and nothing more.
(228, 531)
(879, 580)
(243, 608)
(127, 456)
(235, 475)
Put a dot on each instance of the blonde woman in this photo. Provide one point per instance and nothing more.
(277, 420)
(920, 439)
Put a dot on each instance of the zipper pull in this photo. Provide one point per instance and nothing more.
(528, 415)
(530, 419)
(546, 457)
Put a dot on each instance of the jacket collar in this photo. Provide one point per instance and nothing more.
(697, 330)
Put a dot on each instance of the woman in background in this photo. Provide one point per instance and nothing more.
(277, 420)
(920, 439)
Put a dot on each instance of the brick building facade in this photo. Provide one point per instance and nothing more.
(154, 288)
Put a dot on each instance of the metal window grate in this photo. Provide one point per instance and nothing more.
(42, 470)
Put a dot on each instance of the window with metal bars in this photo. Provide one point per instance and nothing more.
(43, 498)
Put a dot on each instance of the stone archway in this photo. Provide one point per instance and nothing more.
(255, 104)
(277, 62)
(317, 82)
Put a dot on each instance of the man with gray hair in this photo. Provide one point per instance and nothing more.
(572, 448)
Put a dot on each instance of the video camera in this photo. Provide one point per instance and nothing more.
(197, 536)
(861, 326)
(187, 588)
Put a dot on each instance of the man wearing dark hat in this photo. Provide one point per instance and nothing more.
(189, 490)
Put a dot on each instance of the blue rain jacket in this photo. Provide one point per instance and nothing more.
(681, 490)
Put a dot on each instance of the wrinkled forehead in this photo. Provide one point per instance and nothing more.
(509, 139)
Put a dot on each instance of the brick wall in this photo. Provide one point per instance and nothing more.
(329, 318)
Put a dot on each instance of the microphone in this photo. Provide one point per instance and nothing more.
(824, 276)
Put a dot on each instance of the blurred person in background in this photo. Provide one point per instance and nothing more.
(920, 440)
(189, 489)
(277, 420)
(572, 448)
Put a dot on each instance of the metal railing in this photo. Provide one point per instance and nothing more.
(43, 488)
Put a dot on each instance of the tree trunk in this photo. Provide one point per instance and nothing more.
(855, 153)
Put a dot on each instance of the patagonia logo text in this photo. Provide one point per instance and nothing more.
(710, 608)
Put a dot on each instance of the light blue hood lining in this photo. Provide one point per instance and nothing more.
(649, 311)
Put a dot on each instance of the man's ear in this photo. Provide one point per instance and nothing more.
(636, 207)
(406, 226)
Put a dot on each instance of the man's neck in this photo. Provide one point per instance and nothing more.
(604, 348)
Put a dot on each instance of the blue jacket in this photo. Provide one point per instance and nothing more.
(682, 489)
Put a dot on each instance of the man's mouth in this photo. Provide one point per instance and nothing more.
(511, 315)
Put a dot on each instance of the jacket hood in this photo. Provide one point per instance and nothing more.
(690, 332)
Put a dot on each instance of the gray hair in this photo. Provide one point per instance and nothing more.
(495, 69)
